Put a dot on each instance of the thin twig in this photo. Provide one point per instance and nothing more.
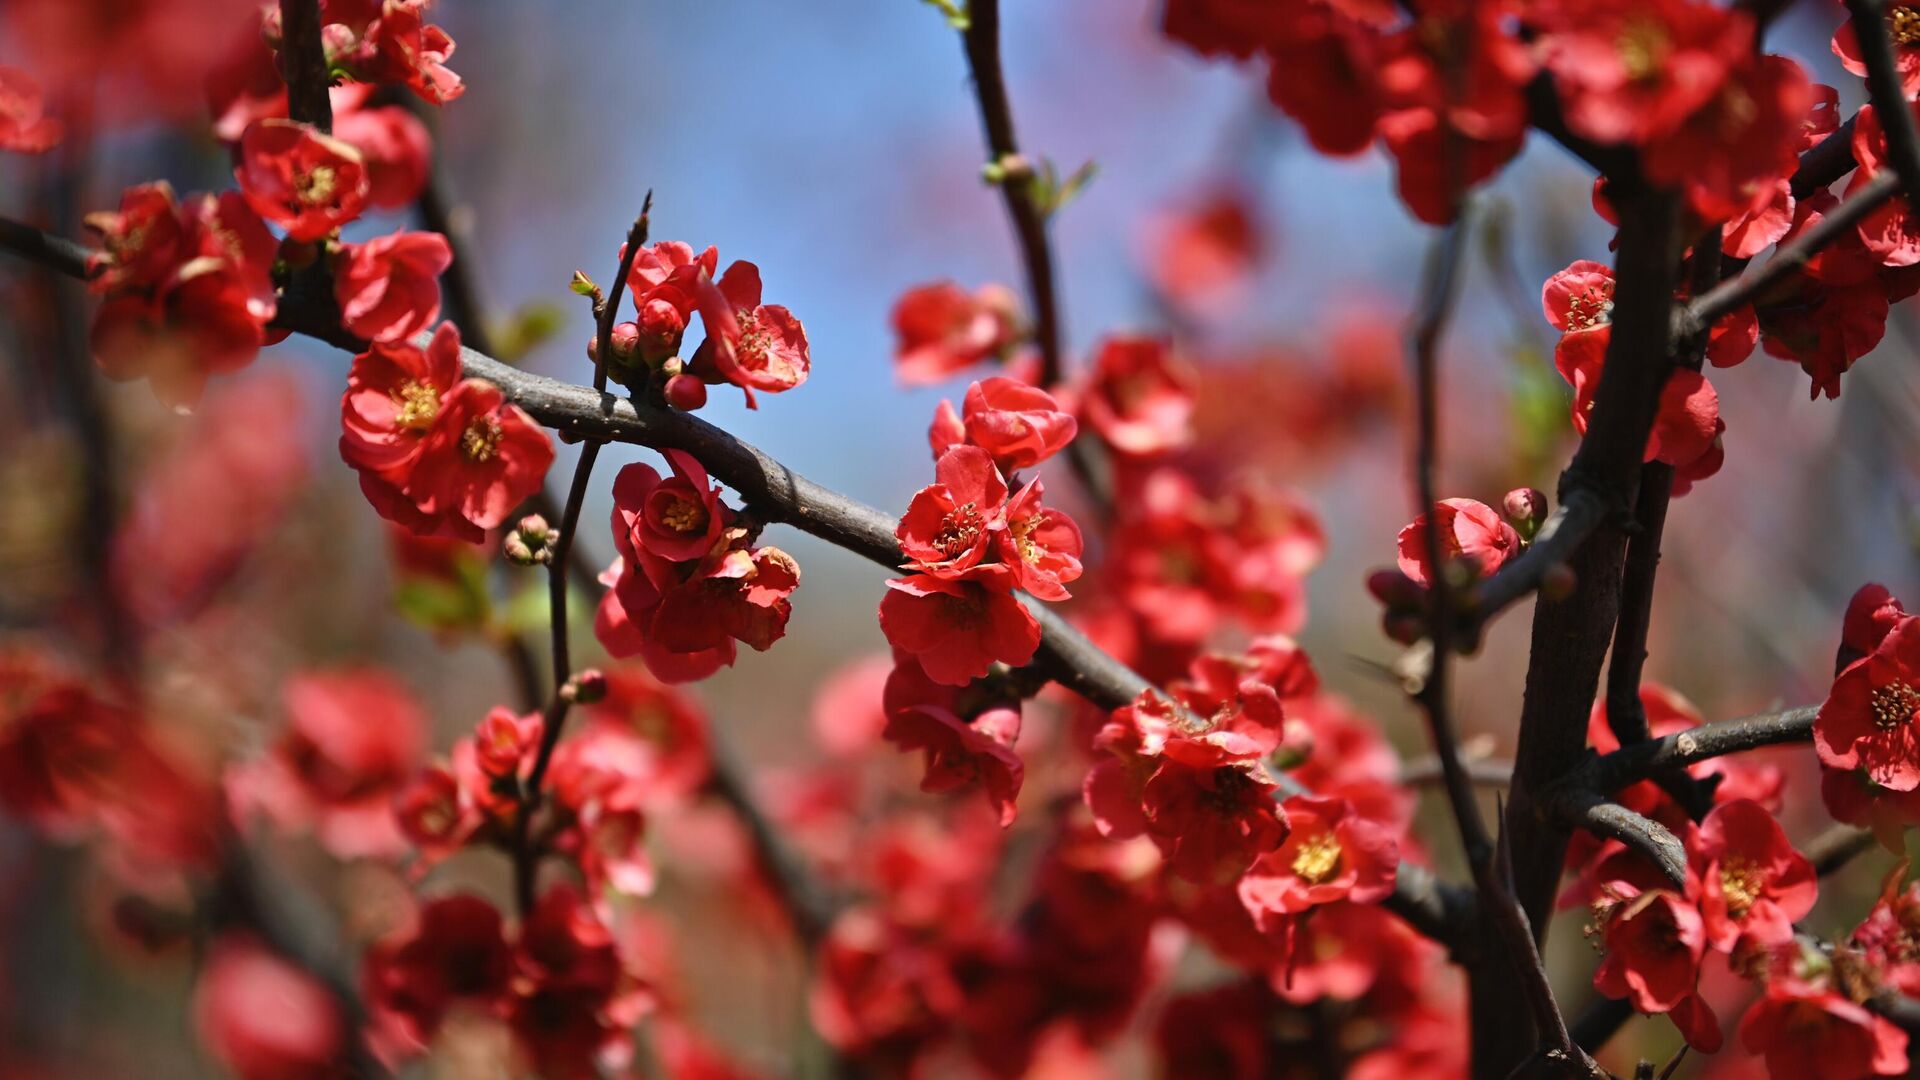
(1611, 772)
(807, 903)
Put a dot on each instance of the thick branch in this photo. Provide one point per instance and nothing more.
(303, 63)
(1888, 95)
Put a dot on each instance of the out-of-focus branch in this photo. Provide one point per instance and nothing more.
(806, 901)
(1066, 655)
(303, 63)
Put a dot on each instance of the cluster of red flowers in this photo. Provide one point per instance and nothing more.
(438, 454)
(752, 345)
(1865, 732)
(689, 581)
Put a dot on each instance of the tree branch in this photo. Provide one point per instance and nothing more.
(1611, 772)
(1889, 97)
(303, 64)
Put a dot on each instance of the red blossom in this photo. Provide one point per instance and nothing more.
(1867, 721)
(454, 951)
(1200, 257)
(1804, 1030)
(1754, 885)
(23, 127)
(1903, 32)
(752, 345)
(950, 524)
(307, 183)
(1579, 297)
(1042, 545)
(963, 751)
(265, 1019)
(395, 144)
(1020, 425)
(1633, 72)
(1729, 154)
(677, 519)
(958, 629)
(1330, 854)
(1654, 940)
(1468, 530)
(941, 330)
(1140, 398)
(389, 288)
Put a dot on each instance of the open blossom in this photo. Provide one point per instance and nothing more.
(678, 518)
(264, 1018)
(436, 453)
(454, 952)
(941, 329)
(1020, 425)
(1687, 422)
(1631, 72)
(1468, 529)
(389, 287)
(1903, 32)
(1754, 885)
(1868, 719)
(23, 127)
(1332, 853)
(307, 183)
(352, 741)
(1200, 257)
(1889, 937)
(950, 524)
(188, 289)
(1890, 231)
(1729, 154)
(393, 142)
(962, 752)
(752, 345)
(1654, 940)
(1805, 1029)
(1041, 545)
(385, 42)
(1579, 297)
(1140, 398)
(959, 628)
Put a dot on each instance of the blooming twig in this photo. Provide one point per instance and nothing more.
(1888, 96)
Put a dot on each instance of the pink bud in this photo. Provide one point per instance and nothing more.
(626, 342)
(1526, 508)
(686, 393)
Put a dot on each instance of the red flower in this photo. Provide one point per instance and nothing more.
(1436, 165)
(384, 42)
(1889, 937)
(941, 330)
(1042, 545)
(950, 524)
(1212, 821)
(962, 752)
(1754, 885)
(1890, 230)
(752, 345)
(1868, 719)
(454, 951)
(352, 742)
(1688, 420)
(307, 183)
(1903, 32)
(1654, 940)
(1020, 425)
(1325, 73)
(1201, 257)
(505, 741)
(22, 127)
(1872, 614)
(389, 288)
(1631, 72)
(958, 629)
(678, 519)
(575, 998)
(265, 1019)
(1805, 1030)
(1729, 155)
(1221, 1033)
(1331, 854)
(1579, 297)
(393, 399)
(1140, 398)
(1468, 529)
(395, 144)
(1464, 71)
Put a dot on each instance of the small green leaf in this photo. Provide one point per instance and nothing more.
(955, 14)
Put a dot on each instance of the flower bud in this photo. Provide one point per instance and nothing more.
(582, 285)
(626, 342)
(1526, 508)
(589, 686)
(530, 542)
(1404, 629)
(1558, 582)
(686, 393)
(1396, 590)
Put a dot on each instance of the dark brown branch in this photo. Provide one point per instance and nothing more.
(1611, 772)
(1066, 655)
(303, 63)
(806, 902)
(1839, 845)
(1888, 95)
(982, 40)
(1584, 808)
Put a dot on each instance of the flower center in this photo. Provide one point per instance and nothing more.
(1741, 882)
(751, 349)
(684, 516)
(1903, 25)
(1894, 704)
(314, 186)
(1641, 46)
(959, 529)
(419, 405)
(481, 441)
(1318, 858)
(1590, 309)
(1022, 530)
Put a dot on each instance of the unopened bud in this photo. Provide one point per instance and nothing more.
(686, 393)
(1404, 629)
(1007, 167)
(626, 342)
(530, 542)
(1526, 508)
(1396, 590)
(1558, 582)
(589, 686)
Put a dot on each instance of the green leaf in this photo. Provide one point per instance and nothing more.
(955, 14)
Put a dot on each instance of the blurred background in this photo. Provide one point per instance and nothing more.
(836, 144)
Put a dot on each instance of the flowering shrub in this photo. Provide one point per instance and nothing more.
(1092, 790)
